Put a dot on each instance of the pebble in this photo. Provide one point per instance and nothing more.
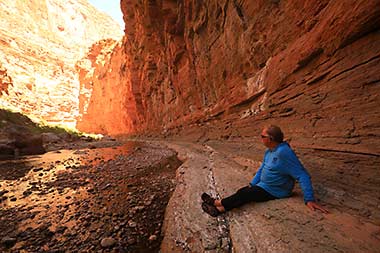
(107, 242)
(153, 238)
(132, 224)
(61, 229)
(107, 226)
(3, 192)
(37, 169)
(131, 241)
(139, 208)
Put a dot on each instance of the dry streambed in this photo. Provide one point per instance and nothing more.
(89, 200)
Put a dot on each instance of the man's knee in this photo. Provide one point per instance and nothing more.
(244, 190)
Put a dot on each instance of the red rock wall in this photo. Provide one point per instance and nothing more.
(223, 69)
(107, 102)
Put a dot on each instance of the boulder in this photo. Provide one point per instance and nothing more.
(48, 138)
(30, 145)
(23, 140)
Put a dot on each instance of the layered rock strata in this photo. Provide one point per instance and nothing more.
(221, 70)
(39, 46)
(312, 69)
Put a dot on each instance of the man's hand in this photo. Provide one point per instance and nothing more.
(314, 206)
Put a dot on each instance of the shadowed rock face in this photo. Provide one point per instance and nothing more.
(224, 69)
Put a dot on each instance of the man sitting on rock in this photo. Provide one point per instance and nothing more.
(274, 179)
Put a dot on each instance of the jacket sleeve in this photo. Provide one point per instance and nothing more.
(295, 169)
(257, 177)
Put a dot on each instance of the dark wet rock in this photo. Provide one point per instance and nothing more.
(8, 241)
(37, 169)
(6, 150)
(3, 192)
(27, 193)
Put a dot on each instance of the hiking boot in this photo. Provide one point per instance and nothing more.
(208, 199)
(210, 209)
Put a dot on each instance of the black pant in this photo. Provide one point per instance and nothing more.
(245, 195)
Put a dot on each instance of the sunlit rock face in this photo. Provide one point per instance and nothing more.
(224, 69)
(40, 43)
(107, 102)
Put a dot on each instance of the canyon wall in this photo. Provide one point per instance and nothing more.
(223, 69)
(218, 71)
(107, 103)
(40, 43)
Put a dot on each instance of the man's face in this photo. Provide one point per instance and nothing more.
(265, 138)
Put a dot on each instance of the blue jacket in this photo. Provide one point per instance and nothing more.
(278, 172)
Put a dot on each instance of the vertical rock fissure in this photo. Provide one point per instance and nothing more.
(239, 12)
(225, 7)
(225, 242)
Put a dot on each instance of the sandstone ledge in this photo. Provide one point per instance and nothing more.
(276, 226)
